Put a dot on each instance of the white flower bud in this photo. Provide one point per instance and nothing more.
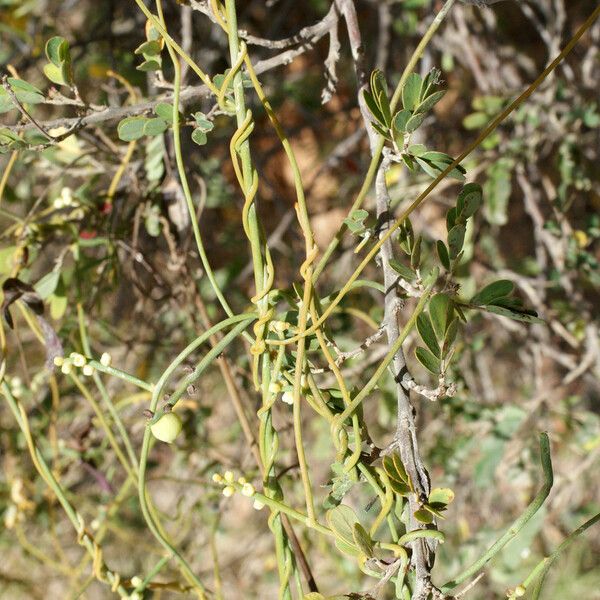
(79, 360)
(66, 367)
(274, 387)
(228, 491)
(105, 359)
(287, 397)
(10, 516)
(66, 196)
(248, 490)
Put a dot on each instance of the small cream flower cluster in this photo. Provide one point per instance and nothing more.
(136, 582)
(231, 486)
(288, 394)
(64, 199)
(279, 326)
(78, 360)
(19, 505)
(18, 389)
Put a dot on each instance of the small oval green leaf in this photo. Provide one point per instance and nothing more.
(428, 360)
(423, 516)
(456, 239)
(57, 50)
(155, 126)
(362, 540)
(493, 291)
(427, 334)
(404, 271)
(411, 91)
(443, 254)
(441, 496)
(199, 137)
(25, 92)
(131, 128)
(440, 311)
(341, 520)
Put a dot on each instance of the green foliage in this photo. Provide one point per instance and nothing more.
(154, 290)
(59, 69)
(150, 50)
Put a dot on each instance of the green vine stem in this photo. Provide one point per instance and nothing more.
(373, 165)
(215, 351)
(110, 407)
(305, 272)
(366, 390)
(241, 321)
(489, 129)
(263, 276)
(268, 441)
(108, 370)
(171, 47)
(101, 571)
(514, 529)
(538, 574)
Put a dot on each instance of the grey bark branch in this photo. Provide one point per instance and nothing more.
(113, 114)
(330, 65)
(306, 35)
(405, 438)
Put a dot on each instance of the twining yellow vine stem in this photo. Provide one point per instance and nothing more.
(306, 273)
(425, 193)
(183, 177)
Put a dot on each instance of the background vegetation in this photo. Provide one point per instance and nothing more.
(99, 256)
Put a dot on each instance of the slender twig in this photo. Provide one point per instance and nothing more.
(519, 523)
(488, 130)
(22, 109)
(342, 357)
(538, 574)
